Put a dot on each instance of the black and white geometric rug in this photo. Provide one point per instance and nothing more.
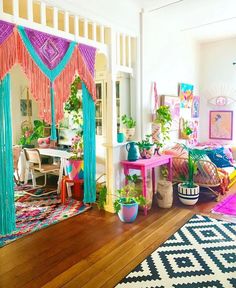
(201, 254)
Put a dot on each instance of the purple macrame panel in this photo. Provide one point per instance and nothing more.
(5, 30)
(51, 49)
(88, 54)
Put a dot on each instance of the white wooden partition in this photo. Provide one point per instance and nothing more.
(118, 45)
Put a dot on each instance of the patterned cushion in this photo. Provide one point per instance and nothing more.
(219, 158)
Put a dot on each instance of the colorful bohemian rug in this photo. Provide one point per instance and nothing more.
(226, 206)
(201, 254)
(33, 213)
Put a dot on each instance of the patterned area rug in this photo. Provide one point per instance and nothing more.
(227, 206)
(33, 214)
(201, 254)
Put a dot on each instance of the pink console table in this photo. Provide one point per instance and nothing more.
(143, 165)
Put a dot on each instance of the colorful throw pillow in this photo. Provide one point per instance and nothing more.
(219, 158)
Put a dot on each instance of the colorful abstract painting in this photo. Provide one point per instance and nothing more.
(186, 95)
(174, 103)
(221, 124)
(194, 125)
(195, 106)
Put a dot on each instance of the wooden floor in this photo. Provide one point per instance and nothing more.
(93, 249)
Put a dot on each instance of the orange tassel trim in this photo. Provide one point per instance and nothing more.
(39, 83)
(7, 54)
(86, 76)
(62, 85)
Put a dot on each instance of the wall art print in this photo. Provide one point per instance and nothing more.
(195, 106)
(221, 124)
(186, 95)
(26, 107)
(174, 103)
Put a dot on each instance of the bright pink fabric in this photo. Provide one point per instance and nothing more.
(227, 206)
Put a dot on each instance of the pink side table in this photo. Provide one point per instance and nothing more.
(143, 165)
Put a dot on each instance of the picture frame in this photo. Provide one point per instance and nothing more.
(221, 124)
(174, 103)
(185, 95)
(25, 110)
(195, 107)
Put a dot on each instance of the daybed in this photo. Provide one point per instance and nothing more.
(208, 175)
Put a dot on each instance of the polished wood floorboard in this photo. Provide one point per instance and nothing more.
(93, 249)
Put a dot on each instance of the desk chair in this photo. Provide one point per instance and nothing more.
(36, 168)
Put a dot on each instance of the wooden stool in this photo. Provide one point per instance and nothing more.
(66, 184)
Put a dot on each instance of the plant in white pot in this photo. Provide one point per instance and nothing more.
(127, 203)
(188, 191)
(130, 125)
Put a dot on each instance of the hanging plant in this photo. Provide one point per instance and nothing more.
(73, 106)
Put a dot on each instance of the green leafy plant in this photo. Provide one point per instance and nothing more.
(133, 178)
(194, 156)
(129, 122)
(128, 195)
(102, 196)
(74, 104)
(29, 136)
(145, 144)
(164, 118)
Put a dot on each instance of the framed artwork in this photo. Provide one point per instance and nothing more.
(25, 110)
(174, 103)
(195, 107)
(221, 124)
(185, 95)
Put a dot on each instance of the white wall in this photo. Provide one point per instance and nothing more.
(217, 78)
(169, 57)
(18, 82)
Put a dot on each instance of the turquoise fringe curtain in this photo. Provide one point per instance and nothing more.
(89, 146)
(7, 204)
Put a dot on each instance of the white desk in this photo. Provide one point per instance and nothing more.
(63, 155)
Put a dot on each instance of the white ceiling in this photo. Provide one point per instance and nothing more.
(206, 20)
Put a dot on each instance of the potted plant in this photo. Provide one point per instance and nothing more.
(137, 181)
(127, 203)
(74, 165)
(188, 191)
(130, 125)
(161, 126)
(145, 147)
